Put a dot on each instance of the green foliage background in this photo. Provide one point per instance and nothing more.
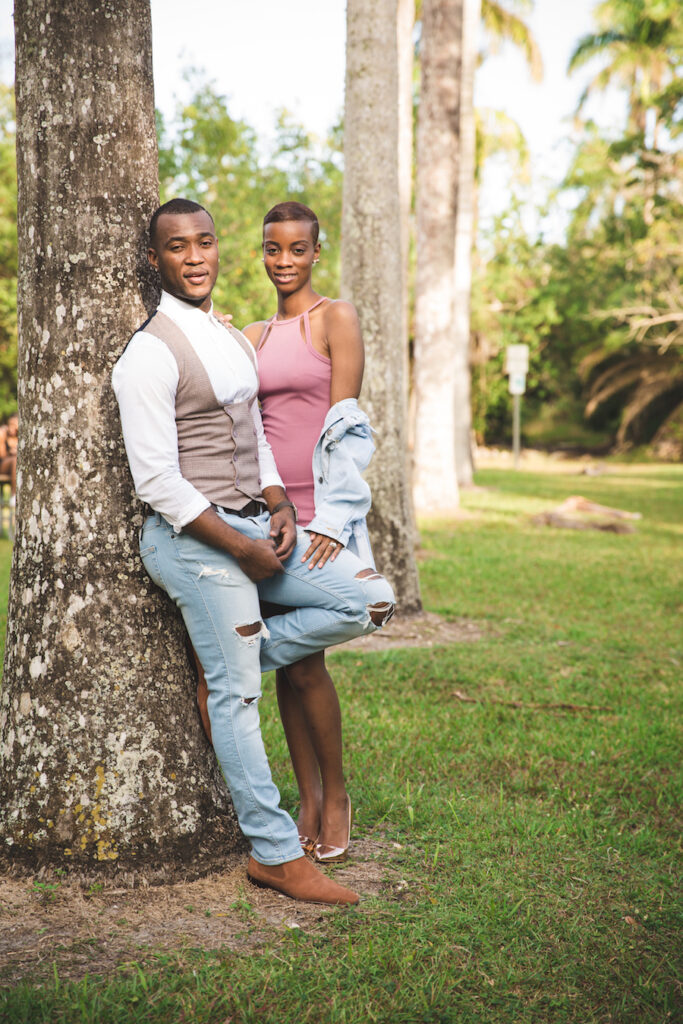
(600, 310)
(208, 156)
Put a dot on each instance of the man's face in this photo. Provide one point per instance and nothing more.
(185, 252)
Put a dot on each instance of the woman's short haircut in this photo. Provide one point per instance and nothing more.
(293, 211)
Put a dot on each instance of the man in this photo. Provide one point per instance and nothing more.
(223, 531)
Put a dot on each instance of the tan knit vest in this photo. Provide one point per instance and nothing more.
(217, 445)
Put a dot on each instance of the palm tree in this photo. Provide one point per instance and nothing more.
(373, 276)
(632, 200)
(640, 43)
(446, 210)
(502, 24)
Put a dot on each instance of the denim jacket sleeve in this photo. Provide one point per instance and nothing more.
(343, 451)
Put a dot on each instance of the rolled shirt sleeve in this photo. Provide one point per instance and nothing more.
(268, 470)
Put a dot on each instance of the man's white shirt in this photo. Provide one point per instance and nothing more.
(145, 380)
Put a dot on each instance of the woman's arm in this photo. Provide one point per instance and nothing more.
(345, 347)
(347, 356)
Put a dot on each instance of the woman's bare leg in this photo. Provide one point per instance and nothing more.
(302, 753)
(312, 688)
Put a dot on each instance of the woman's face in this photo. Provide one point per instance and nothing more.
(288, 254)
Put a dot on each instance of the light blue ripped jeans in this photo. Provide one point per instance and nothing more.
(216, 599)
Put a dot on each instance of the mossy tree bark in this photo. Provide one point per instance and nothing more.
(434, 472)
(104, 765)
(373, 277)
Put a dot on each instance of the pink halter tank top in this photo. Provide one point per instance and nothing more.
(295, 398)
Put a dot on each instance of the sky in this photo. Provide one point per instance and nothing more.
(265, 55)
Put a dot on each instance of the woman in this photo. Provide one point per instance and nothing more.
(311, 358)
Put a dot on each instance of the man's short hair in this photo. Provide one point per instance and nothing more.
(174, 206)
(293, 211)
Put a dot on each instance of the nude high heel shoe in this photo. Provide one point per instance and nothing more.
(325, 854)
(307, 844)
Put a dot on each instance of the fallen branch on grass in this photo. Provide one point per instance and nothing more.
(520, 705)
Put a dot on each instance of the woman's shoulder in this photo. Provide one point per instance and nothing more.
(340, 314)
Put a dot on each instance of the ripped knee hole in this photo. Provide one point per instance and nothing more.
(381, 612)
(249, 630)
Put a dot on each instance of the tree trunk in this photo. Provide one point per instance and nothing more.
(464, 240)
(434, 474)
(104, 765)
(373, 276)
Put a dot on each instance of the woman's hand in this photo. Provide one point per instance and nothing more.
(321, 549)
(225, 318)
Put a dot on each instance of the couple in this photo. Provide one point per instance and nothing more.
(223, 531)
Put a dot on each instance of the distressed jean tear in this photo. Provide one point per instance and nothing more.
(251, 632)
(381, 612)
(208, 570)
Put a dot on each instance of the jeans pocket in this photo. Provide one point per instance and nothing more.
(150, 560)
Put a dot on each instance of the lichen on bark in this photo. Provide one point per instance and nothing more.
(103, 762)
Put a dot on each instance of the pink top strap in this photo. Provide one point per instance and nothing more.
(274, 322)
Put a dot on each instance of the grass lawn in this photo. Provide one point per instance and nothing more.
(538, 847)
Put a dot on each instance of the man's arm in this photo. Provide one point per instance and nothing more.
(258, 559)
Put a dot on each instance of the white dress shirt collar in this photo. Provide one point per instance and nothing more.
(178, 309)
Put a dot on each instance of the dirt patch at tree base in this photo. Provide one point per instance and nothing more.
(97, 930)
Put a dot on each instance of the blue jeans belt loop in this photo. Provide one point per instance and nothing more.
(252, 508)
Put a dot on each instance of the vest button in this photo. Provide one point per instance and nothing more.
(320, 479)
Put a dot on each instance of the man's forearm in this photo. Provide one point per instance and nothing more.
(210, 528)
(273, 496)
(256, 558)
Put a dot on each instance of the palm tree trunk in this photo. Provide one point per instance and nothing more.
(435, 483)
(373, 276)
(464, 241)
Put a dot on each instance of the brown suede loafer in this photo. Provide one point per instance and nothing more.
(300, 880)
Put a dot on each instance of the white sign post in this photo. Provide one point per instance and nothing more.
(516, 366)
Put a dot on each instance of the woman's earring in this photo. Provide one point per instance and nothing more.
(315, 261)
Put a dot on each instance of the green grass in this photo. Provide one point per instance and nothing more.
(537, 849)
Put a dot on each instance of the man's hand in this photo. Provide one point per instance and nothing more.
(321, 549)
(256, 558)
(259, 560)
(283, 532)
